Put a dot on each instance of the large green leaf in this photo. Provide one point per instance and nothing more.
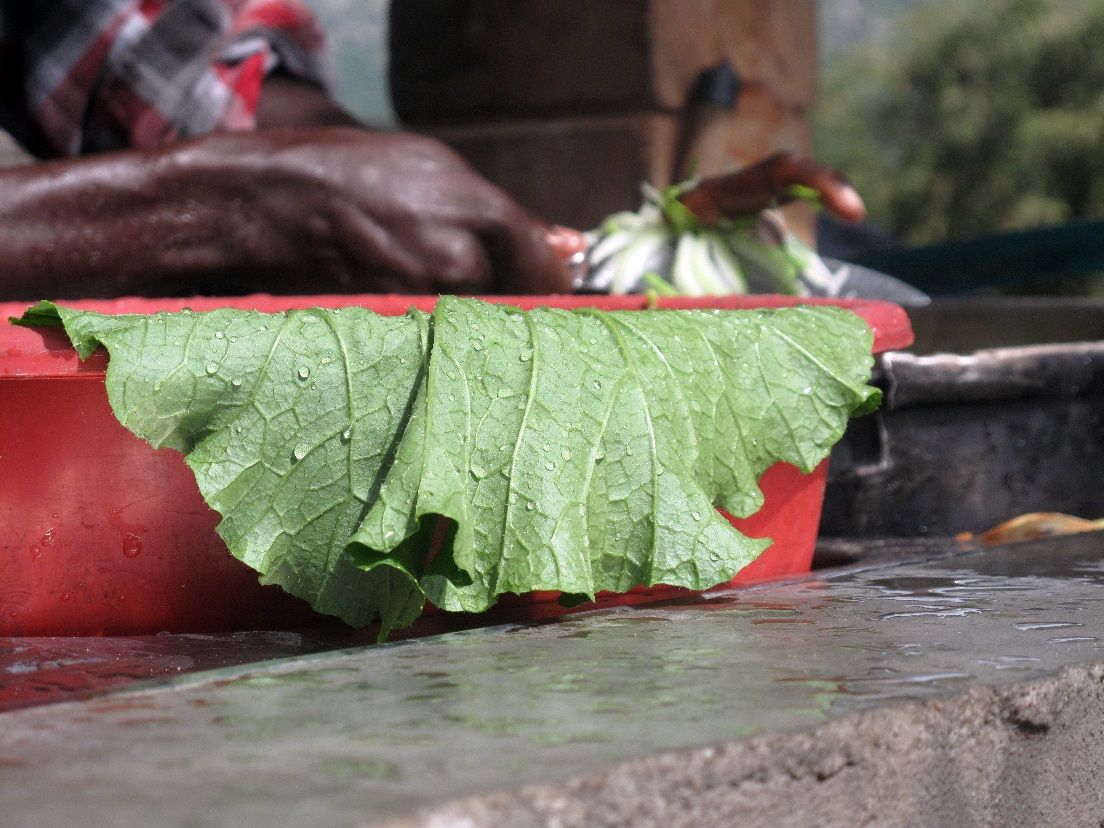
(571, 451)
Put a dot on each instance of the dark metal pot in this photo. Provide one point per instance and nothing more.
(997, 410)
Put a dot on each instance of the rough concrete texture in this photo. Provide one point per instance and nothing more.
(958, 690)
(1030, 754)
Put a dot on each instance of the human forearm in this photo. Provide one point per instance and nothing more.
(280, 210)
(109, 225)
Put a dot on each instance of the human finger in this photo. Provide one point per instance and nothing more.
(526, 259)
(769, 182)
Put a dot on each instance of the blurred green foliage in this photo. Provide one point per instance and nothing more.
(973, 118)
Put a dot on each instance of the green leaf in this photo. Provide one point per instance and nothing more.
(665, 242)
(678, 215)
(570, 451)
(805, 193)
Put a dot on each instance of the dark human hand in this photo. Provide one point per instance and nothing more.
(768, 183)
(306, 210)
(349, 209)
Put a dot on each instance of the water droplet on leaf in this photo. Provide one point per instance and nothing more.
(211, 368)
(304, 372)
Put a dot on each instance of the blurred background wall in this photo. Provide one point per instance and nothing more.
(955, 120)
(571, 104)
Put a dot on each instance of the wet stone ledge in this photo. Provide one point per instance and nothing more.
(963, 689)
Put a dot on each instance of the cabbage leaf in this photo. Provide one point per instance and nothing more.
(576, 451)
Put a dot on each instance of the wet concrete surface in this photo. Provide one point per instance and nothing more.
(677, 693)
(46, 670)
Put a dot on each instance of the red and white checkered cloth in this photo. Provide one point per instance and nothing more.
(89, 75)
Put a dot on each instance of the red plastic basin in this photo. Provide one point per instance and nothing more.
(101, 534)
